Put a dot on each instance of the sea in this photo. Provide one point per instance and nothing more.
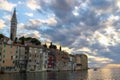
(90, 74)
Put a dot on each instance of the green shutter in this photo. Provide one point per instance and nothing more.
(4, 50)
(4, 45)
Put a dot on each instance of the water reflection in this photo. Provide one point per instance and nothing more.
(62, 75)
(101, 74)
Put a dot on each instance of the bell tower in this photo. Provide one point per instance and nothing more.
(13, 27)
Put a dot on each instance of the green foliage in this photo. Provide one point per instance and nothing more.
(1, 36)
(35, 41)
(16, 40)
(22, 39)
(60, 48)
(11, 37)
(45, 45)
(52, 46)
(30, 39)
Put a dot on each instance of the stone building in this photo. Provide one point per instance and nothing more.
(84, 61)
(8, 58)
(72, 62)
(51, 59)
(81, 62)
(62, 60)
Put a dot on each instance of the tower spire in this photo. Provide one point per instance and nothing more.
(14, 18)
(13, 26)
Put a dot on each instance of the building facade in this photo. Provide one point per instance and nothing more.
(8, 58)
(18, 57)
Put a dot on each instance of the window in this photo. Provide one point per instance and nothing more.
(3, 61)
(29, 60)
(16, 56)
(11, 57)
(16, 51)
(44, 66)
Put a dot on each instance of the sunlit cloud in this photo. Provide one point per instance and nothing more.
(5, 5)
(8, 17)
(33, 4)
(29, 14)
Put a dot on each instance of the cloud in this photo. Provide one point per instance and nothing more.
(39, 23)
(81, 26)
(33, 4)
(21, 26)
(100, 59)
(102, 4)
(2, 24)
(19, 3)
(34, 34)
(5, 5)
(8, 17)
(29, 14)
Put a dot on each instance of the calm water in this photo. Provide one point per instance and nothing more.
(100, 74)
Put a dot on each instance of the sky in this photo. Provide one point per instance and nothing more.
(88, 27)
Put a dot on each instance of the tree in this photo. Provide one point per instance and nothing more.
(30, 39)
(35, 41)
(60, 48)
(22, 39)
(1, 36)
(16, 40)
(45, 45)
(52, 46)
(11, 36)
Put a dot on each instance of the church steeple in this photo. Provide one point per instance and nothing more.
(14, 18)
(13, 26)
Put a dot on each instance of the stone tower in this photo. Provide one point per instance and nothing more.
(13, 27)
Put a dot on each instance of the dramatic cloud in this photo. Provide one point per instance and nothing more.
(5, 5)
(38, 23)
(80, 26)
(87, 26)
